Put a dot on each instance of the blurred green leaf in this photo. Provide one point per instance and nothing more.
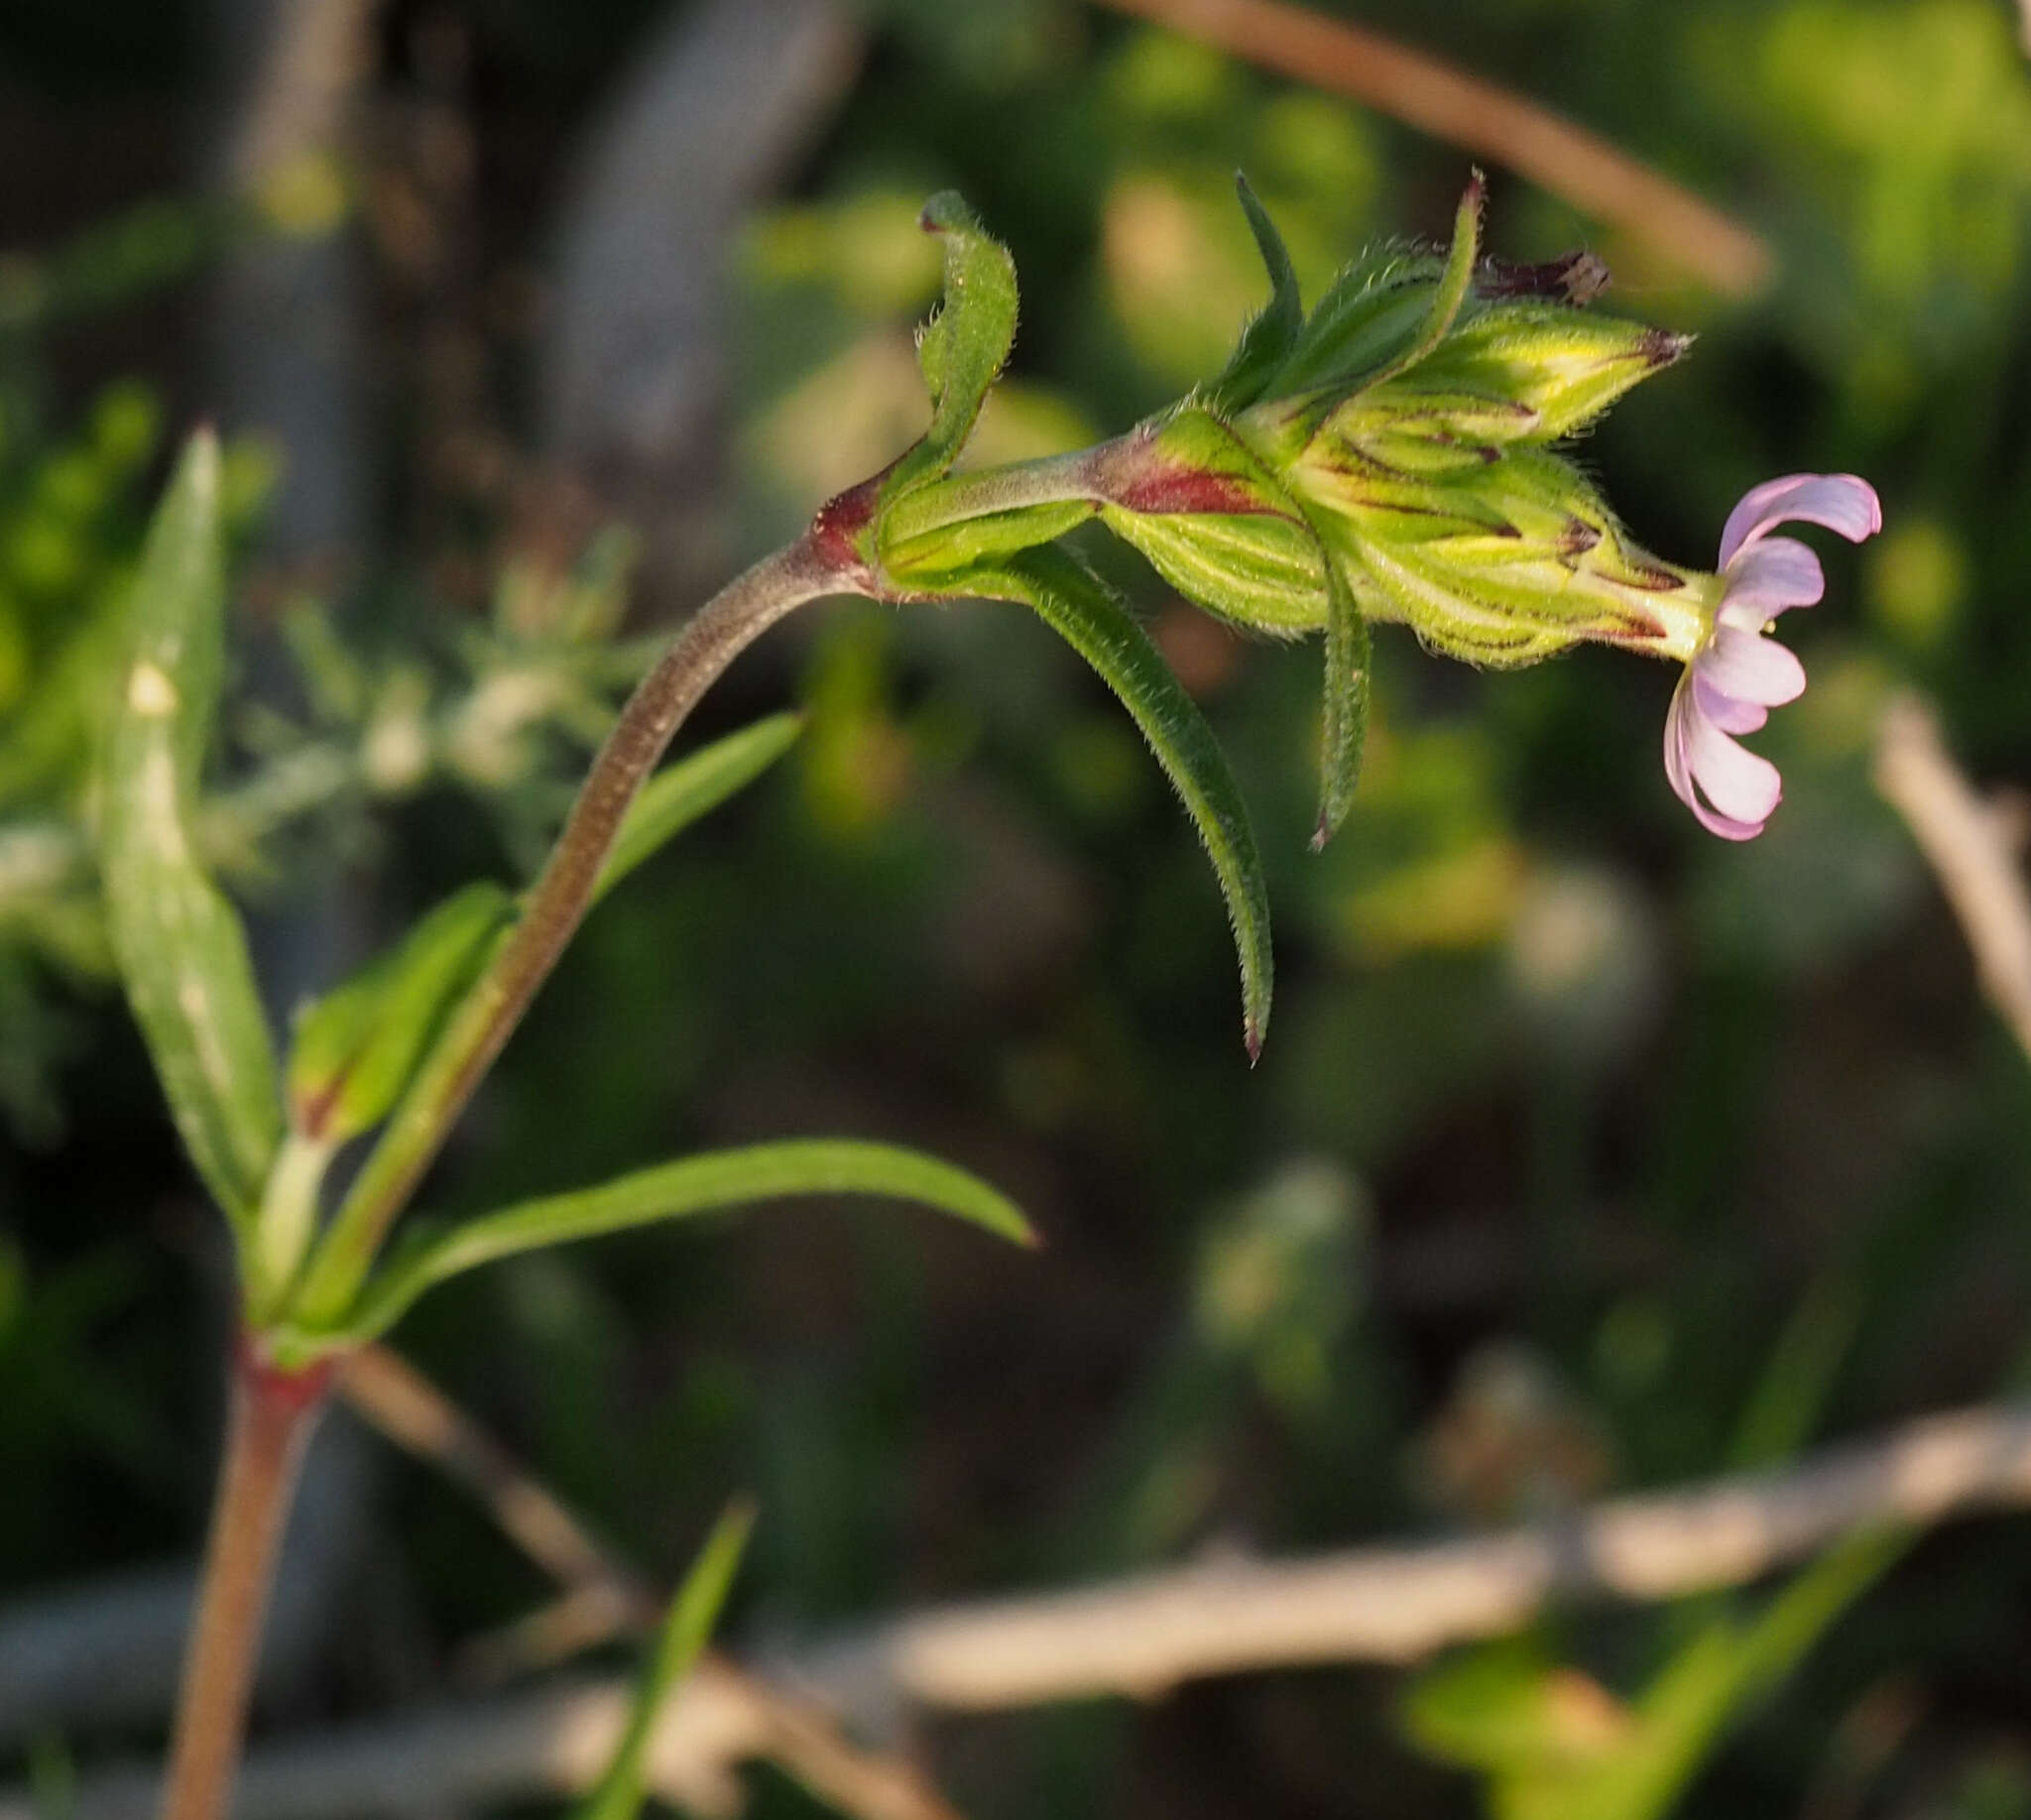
(356, 1048)
(1554, 1745)
(673, 799)
(707, 1183)
(180, 947)
(1078, 606)
(685, 1632)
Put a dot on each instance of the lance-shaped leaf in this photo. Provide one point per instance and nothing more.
(709, 1183)
(964, 346)
(1267, 343)
(686, 1630)
(1344, 721)
(1380, 318)
(673, 799)
(1077, 605)
(1454, 281)
(181, 951)
(356, 1048)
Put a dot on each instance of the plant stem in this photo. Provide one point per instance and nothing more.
(273, 1413)
(1050, 480)
(819, 564)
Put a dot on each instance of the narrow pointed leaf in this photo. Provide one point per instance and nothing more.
(709, 1183)
(1344, 721)
(182, 950)
(1454, 281)
(1268, 340)
(1077, 605)
(686, 1630)
(357, 1048)
(964, 346)
(673, 799)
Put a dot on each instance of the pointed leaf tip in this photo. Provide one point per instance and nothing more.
(1081, 609)
(1269, 340)
(715, 1181)
(962, 349)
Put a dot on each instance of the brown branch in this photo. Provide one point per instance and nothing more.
(724, 1720)
(551, 1743)
(1138, 1637)
(1970, 846)
(416, 1416)
(1141, 1636)
(1479, 117)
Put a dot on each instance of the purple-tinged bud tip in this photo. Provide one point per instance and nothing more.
(1661, 347)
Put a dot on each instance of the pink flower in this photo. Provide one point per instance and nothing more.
(1739, 675)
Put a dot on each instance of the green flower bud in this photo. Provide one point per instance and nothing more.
(1516, 373)
(1500, 564)
(1213, 522)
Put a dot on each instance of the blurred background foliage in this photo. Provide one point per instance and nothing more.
(1586, 1154)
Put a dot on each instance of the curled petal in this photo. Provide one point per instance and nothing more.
(1741, 786)
(1680, 730)
(1747, 667)
(1769, 575)
(1678, 770)
(1724, 711)
(1840, 502)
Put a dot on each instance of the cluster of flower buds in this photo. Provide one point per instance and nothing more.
(1403, 433)
(1393, 454)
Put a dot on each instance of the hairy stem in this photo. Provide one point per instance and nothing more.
(273, 1413)
(817, 564)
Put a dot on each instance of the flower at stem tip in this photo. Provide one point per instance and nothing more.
(1738, 674)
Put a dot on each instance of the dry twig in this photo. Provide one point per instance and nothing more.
(1478, 116)
(1137, 1637)
(416, 1416)
(720, 1720)
(1970, 846)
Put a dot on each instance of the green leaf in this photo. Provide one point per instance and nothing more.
(356, 1048)
(675, 1190)
(181, 951)
(1554, 1745)
(1454, 281)
(964, 346)
(1383, 316)
(1344, 723)
(673, 799)
(685, 1632)
(1267, 341)
(1077, 605)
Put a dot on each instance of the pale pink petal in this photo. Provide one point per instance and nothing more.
(1741, 786)
(1725, 825)
(1677, 770)
(1840, 502)
(1747, 667)
(1769, 575)
(1684, 728)
(1727, 714)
